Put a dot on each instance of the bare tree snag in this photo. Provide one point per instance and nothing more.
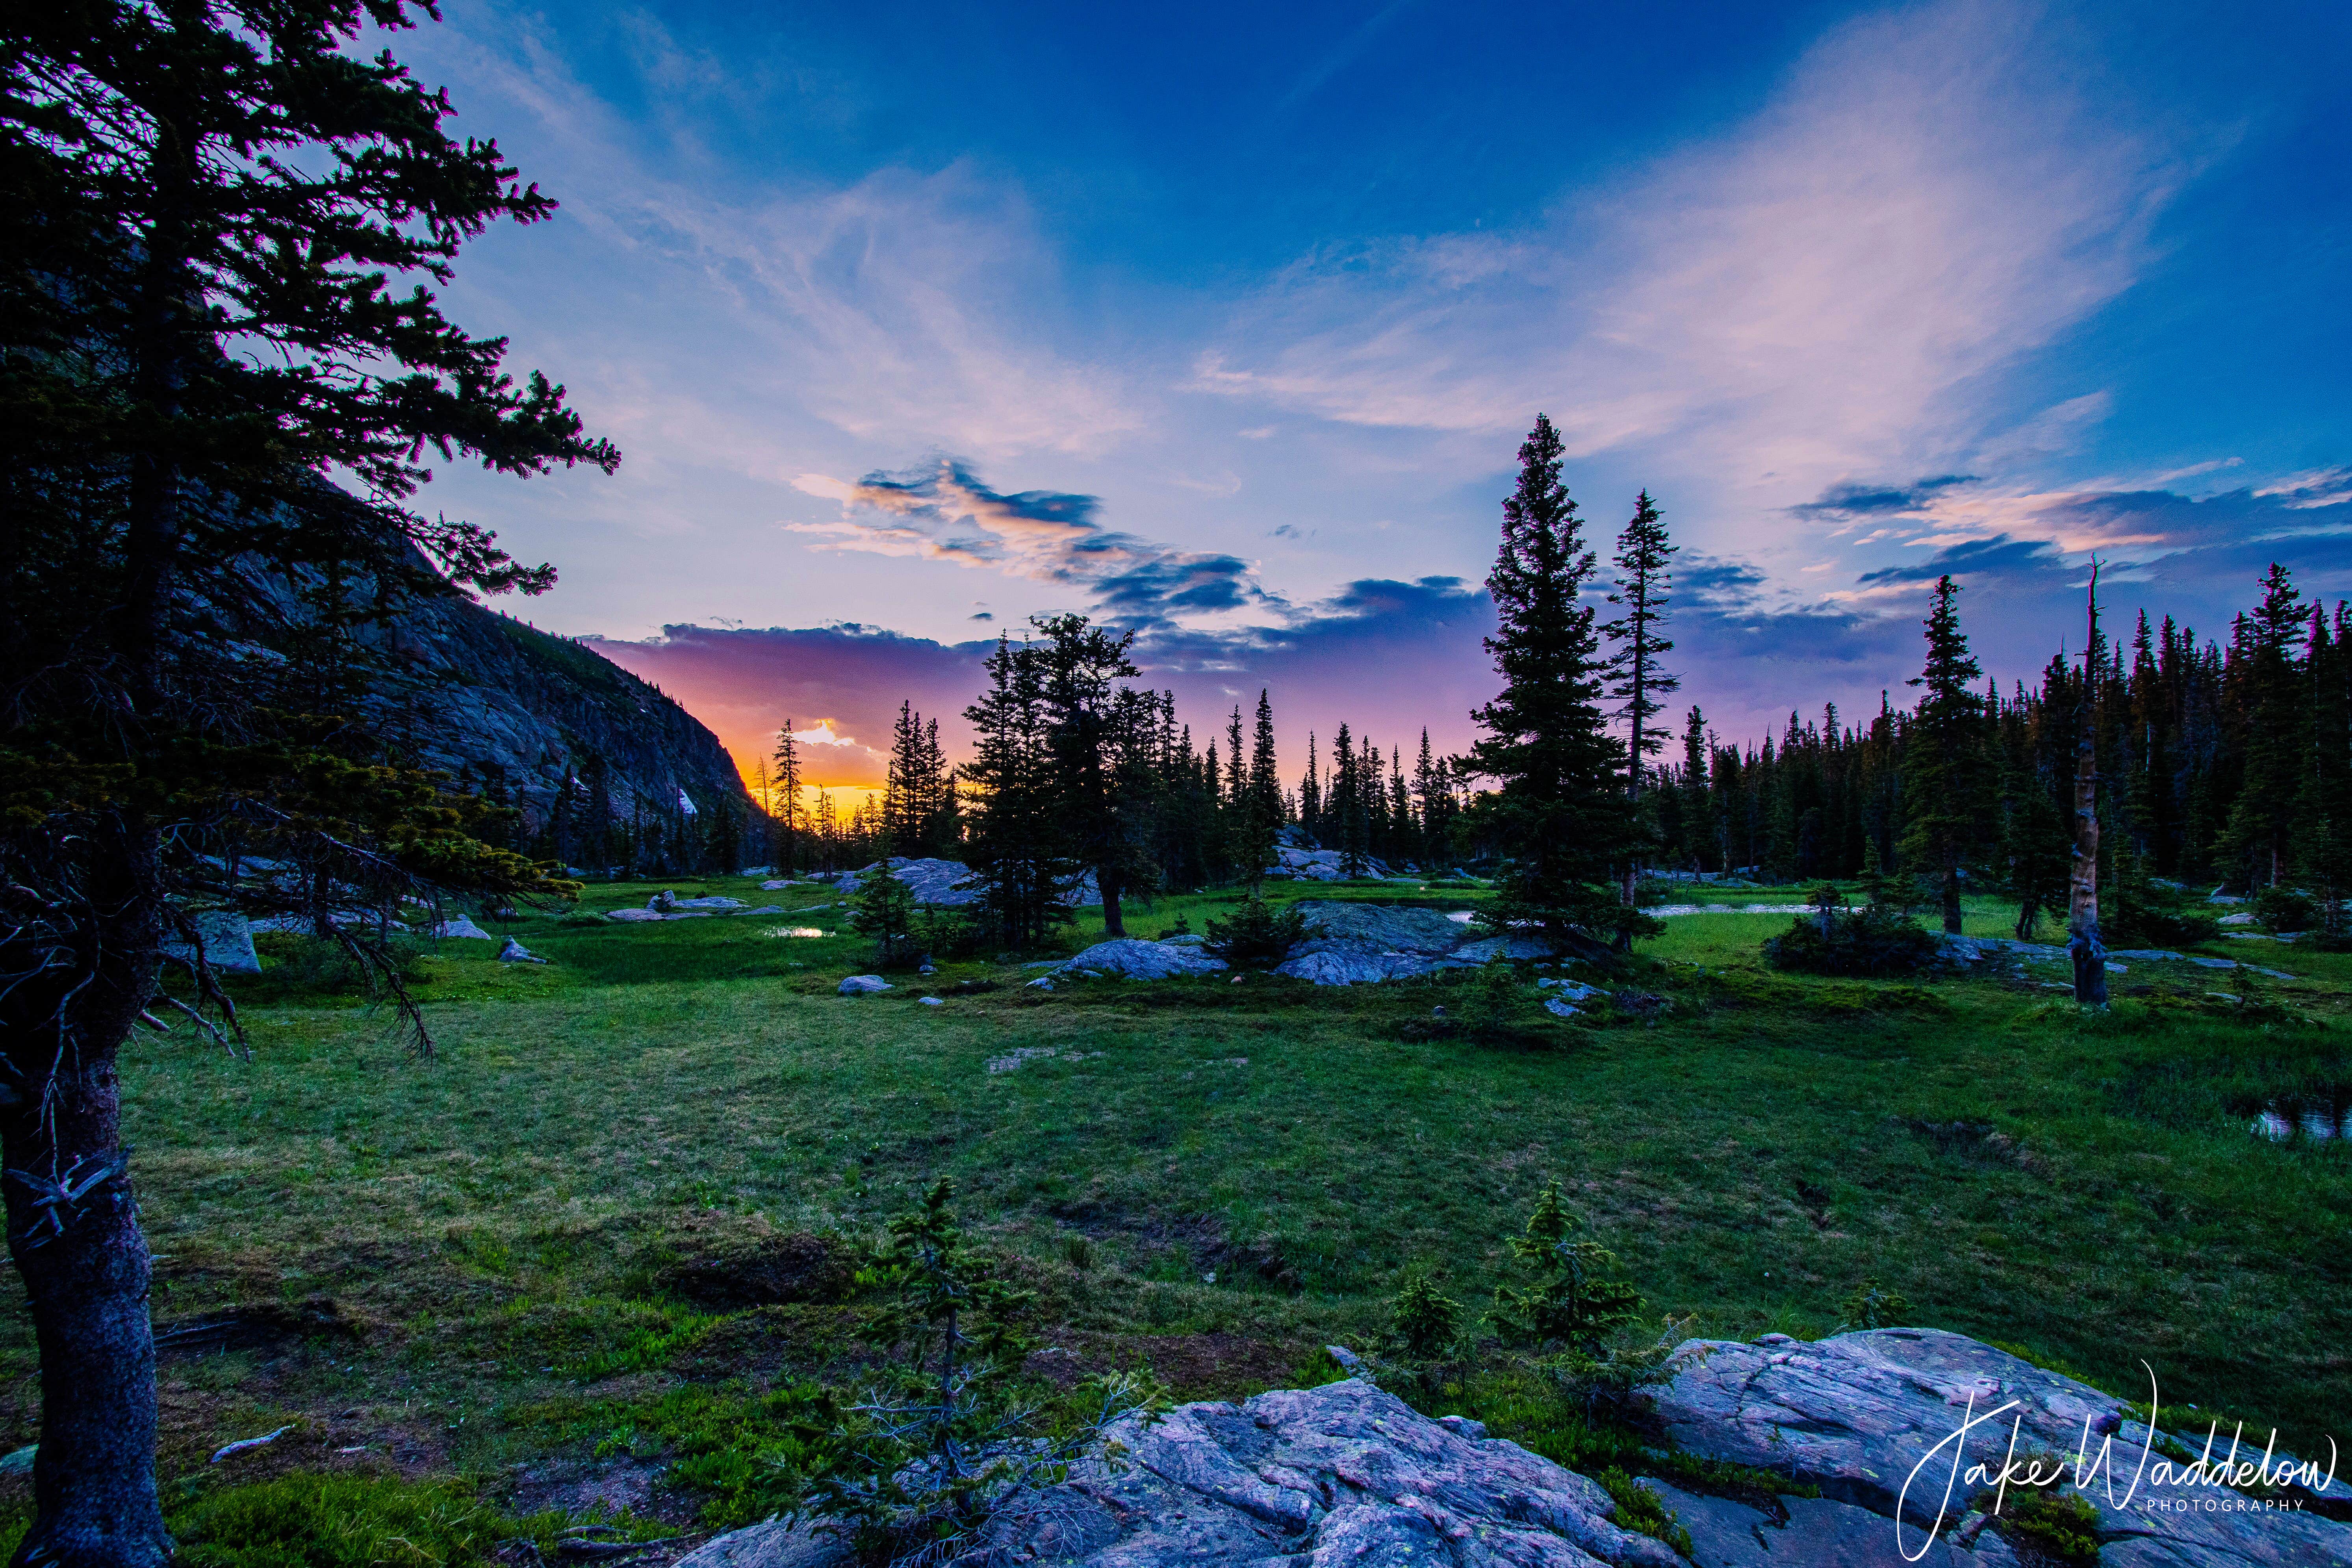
(2083, 945)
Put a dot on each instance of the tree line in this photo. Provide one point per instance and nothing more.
(2223, 763)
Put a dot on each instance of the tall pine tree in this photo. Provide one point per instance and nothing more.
(221, 229)
(1560, 811)
(1939, 780)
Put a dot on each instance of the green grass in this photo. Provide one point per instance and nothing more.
(499, 1227)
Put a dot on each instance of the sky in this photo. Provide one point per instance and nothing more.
(1224, 323)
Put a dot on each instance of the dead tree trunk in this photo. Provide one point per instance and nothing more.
(2083, 945)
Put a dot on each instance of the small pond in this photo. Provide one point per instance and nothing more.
(2312, 1115)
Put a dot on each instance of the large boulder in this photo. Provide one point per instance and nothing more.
(1875, 1419)
(1319, 1477)
(1323, 961)
(227, 938)
(1360, 943)
(1134, 960)
(949, 884)
(1302, 864)
(1385, 928)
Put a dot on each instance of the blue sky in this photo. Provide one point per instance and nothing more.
(1226, 323)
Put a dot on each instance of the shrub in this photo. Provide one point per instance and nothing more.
(1877, 939)
(2140, 912)
(1424, 1317)
(2278, 909)
(1644, 1512)
(1867, 1306)
(2051, 1527)
(886, 911)
(1259, 936)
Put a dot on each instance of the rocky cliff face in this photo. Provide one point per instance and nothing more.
(495, 701)
(603, 766)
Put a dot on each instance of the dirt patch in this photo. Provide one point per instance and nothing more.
(269, 1326)
(1201, 1238)
(592, 1489)
(1193, 1366)
(754, 1267)
(391, 1440)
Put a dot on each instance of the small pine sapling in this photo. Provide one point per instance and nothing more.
(1259, 936)
(942, 1459)
(1870, 1306)
(1574, 1296)
(1583, 1317)
(1422, 1317)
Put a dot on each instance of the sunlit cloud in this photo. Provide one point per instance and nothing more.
(944, 512)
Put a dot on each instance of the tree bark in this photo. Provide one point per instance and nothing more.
(2083, 945)
(81, 1256)
(2082, 884)
(1106, 883)
(82, 1259)
(1952, 899)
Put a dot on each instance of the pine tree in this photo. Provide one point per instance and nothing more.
(2084, 944)
(1560, 812)
(1016, 845)
(2323, 833)
(2259, 838)
(210, 212)
(1941, 775)
(1698, 840)
(1435, 798)
(1264, 787)
(1643, 557)
(786, 783)
(1310, 797)
(1098, 734)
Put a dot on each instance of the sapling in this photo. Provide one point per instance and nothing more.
(1870, 1306)
(1424, 1317)
(943, 1459)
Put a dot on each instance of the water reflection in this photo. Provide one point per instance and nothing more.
(795, 931)
(2317, 1116)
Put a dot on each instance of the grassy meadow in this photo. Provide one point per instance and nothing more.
(581, 1257)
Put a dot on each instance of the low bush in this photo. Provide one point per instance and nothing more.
(1875, 938)
(1259, 936)
(2278, 909)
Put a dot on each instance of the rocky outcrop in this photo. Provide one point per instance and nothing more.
(1871, 1418)
(1346, 1474)
(949, 884)
(1129, 959)
(1319, 1477)
(1363, 943)
(1298, 863)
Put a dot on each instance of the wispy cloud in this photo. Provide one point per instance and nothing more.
(1818, 295)
(944, 512)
